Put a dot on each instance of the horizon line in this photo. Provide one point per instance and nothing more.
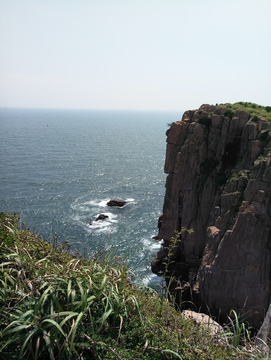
(92, 109)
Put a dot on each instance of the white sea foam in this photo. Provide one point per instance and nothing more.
(108, 222)
(157, 245)
(103, 202)
(152, 244)
(99, 229)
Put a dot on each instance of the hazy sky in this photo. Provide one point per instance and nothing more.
(134, 54)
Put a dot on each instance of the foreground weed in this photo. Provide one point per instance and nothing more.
(236, 330)
(56, 306)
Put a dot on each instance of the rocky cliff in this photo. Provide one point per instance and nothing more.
(219, 184)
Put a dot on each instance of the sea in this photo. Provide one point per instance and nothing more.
(59, 168)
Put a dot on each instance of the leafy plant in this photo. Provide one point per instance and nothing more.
(237, 330)
(55, 305)
(229, 113)
(255, 119)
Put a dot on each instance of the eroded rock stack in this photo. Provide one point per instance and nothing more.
(219, 185)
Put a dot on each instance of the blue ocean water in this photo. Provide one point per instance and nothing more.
(58, 168)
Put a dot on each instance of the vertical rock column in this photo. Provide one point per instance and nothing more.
(219, 185)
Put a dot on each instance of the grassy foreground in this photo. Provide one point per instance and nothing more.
(55, 305)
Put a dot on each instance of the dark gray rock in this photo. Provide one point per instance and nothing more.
(116, 202)
(101, 217)
(219, 185)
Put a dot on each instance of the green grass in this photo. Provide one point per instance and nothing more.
(254, 109)
(55, 305)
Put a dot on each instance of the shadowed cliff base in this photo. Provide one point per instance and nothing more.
(218, 162)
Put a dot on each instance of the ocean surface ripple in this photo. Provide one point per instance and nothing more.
(58, 168)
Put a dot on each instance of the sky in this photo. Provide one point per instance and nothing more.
(134, 54)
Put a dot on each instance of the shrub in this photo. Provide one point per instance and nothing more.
(255, 119)
(253, 109)
(229, 113)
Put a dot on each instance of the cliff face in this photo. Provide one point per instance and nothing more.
(219, 185)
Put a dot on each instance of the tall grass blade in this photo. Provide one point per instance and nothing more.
(53, 322)
(79, 317)
(26, 341)
(41, 301)
(174, 353)
(48, 344)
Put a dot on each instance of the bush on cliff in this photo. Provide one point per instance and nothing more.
(253, 109)
(55, 305)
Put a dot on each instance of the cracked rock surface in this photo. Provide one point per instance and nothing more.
(219, 185)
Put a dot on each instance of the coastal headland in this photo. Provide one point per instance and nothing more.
(218, 162)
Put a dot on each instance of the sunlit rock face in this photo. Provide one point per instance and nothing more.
(219, 184)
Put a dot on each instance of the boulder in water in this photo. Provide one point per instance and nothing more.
(101, 217)
(116, 202)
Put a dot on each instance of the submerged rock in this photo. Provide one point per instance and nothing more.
(101, 217)
(116, 202)
(219, 185)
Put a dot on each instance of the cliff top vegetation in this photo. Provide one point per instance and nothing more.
(58, 305)
(253, 109)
